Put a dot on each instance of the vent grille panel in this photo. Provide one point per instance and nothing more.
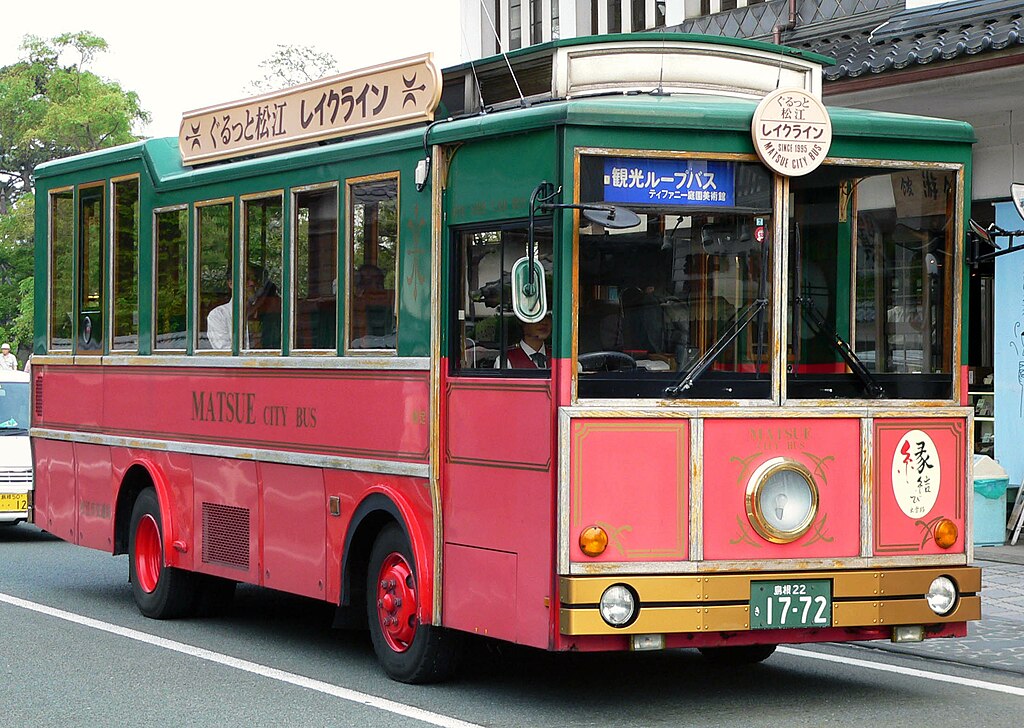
(39, 398)
(226, 535)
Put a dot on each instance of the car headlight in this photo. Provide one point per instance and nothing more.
(782, 500)
(941, 595)
(618, 605)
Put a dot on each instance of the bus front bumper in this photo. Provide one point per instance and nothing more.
(702, 603)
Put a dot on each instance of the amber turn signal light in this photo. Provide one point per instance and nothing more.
(593, 540)
(945, 534)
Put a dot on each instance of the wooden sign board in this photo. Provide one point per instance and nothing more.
(392, 94)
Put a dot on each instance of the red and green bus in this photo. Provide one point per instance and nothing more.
(612, 343)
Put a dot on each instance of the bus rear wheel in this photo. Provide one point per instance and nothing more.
(737, 656)
(160, 592)
(408, 651)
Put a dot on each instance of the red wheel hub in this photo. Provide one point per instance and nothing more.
(148, 554)
(396, 602)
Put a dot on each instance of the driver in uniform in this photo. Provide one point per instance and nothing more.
(531, 352)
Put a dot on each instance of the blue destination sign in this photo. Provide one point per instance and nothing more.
(693, 182)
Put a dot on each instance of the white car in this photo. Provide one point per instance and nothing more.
(15, 450)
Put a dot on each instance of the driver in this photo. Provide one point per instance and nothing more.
(531, 352)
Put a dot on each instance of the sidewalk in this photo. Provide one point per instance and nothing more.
(997, 641)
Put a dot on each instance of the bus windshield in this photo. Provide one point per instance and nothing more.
(679, 302)
(14, 410)
(887, 235)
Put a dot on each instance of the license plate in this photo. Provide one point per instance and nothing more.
(790, 604)
(13, 502)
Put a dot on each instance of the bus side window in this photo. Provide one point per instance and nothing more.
(315, 287)
(169, 326)
(488, 333)
(373, 264)
(126, 265)
(90, 270)
(263, 254)
(62, 242)
(214, 284)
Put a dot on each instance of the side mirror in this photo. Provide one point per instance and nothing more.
(529, 296)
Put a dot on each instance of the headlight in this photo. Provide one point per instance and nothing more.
(782, 500)
(941, 595)
(618, 605)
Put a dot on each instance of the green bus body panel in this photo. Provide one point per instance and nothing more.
(497, 160)
(492, 179)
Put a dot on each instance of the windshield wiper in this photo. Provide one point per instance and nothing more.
(810, 311)
(4, 431)
(692, 373)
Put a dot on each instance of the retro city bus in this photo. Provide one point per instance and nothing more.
(617, 343)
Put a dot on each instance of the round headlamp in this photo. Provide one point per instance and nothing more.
(618, 605)
(782, 500)
(941, 595)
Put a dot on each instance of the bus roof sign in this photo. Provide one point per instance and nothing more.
(392, 94)
(792, 131)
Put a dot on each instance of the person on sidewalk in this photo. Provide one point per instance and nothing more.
(7, 360)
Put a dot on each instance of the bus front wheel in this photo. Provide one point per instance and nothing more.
(408, 651)
(160, 592)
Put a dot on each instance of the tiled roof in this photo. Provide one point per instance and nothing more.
(915, 37)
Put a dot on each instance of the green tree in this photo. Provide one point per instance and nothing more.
(290, 65)
(51, 106)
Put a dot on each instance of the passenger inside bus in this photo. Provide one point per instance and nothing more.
(263, 310)
(263, 314)
(218, 324)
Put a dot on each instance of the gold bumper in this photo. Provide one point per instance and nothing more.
(721, 603)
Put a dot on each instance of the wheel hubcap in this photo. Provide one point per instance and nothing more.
(148, 554)
(396, 602)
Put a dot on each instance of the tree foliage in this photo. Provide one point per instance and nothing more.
(290, 65)
(51, 106)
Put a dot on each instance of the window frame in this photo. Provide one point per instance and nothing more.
(243, 201)
(194, 278)
(291, 242)
(454, 322)
(349, 260)
(79, 269)
(155, 278)
(776, 274)
(50, 297)
(112, 254)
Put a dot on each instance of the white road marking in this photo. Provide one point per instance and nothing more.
(908, 671)
(319, 686)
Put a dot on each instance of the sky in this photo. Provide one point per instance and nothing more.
(183, 56)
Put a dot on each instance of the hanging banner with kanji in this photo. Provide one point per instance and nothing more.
(388, 95)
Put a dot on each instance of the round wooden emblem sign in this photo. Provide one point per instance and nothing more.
(792, 131)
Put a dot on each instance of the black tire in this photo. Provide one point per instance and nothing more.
(737, 656)
(408, 651)
(160, 592)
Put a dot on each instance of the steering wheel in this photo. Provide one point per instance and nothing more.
(606, 361)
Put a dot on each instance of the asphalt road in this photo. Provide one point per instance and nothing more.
(77, 653)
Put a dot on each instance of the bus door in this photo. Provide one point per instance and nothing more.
(497, 452)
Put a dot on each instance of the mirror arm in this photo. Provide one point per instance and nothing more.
(992, 231)
(539, 199)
